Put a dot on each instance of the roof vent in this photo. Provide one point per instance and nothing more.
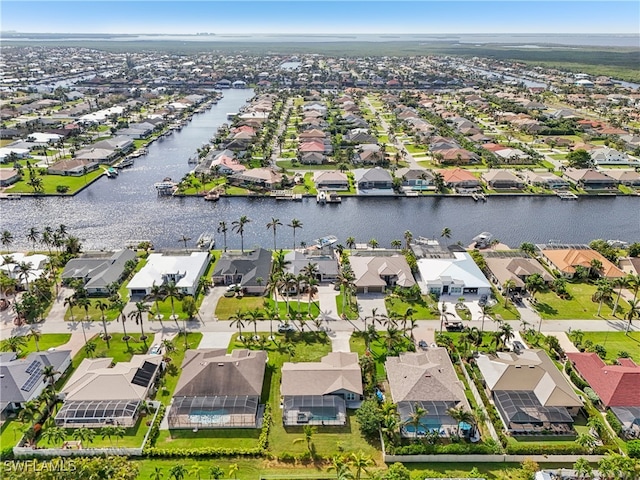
(518, 366)
(532, 366)
(221, 364)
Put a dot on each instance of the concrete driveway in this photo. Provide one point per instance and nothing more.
(215, 339)
(327, 301)
(368, 301)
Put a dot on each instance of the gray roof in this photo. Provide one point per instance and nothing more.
(327, 265)
(98, 272)
(21, 376)
(211, 372)
(251, 265)
(372, 175)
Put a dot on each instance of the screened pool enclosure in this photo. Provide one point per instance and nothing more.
(232, 411)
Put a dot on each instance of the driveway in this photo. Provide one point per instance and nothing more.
(210, 302)
(327, 301)
(369, 301)
(215, 339)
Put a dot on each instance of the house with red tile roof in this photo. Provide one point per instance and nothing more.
(616, 385)
(459, 178)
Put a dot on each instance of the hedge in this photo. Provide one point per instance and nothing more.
(614, 422)
(155, 429)
(633, 448)
(6, 453)
(452, 448)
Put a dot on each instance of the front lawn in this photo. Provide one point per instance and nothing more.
(579, 306)
(614, 343)
(425, 308)
(50, 183)
(93, 314)
(46, 341)
(169, 379)
(380, 349)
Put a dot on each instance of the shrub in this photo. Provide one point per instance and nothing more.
(369, 416)
(633, 448)
(614, 422)
(62, 188)
(6, 453)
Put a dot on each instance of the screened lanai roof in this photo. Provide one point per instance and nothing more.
(85, 411)
(434, 410)
(524, 407)
(314, 401)
(231, 404)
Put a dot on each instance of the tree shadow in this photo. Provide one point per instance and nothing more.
(546, 309)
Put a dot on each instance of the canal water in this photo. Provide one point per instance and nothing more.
(110, 213)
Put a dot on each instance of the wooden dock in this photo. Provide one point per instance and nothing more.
(567, 195)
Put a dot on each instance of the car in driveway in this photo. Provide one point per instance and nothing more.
(423, 345)
(285, 328)
(454, 326)
(483, 300)
(517, 346)
(155, 350)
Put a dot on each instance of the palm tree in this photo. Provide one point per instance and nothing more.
(173, 293)
(119, 304)
(53, 435)
(157, 474)
(507, 286)
(595, 268)
(583, 469)
(233, 470)
(107, 432)
(396, 244)
(195, 470)
(184, 239)
(236, 319)
(360, 462)
(446, 233)
(620, 283)
(102, 306)
(49, 373)
(252, 317)
(587, 441)
(238, 227)
(408, 238)
(6, 238)
(534, 283)
(89, 349)
(602, 293)
(138, 316)
(295, 224)
(506, 331)
(156, 293)
(461, 415)
(308, 432)
(312, 290)
(24, 269)
(373, 243)
(415, 418)
(633, 283)
(273, 225)
(216, 472)
(177, 472)
(222, 228)
(13, 344)
(33, 236)
(35, 334)
(345, 280)
(84, 435)
(634, 311)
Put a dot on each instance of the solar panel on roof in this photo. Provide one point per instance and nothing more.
(144, 374)
(34, 367)
(31, 381)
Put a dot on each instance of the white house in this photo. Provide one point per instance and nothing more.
(183, 270)
(456, 275)
(610, 156)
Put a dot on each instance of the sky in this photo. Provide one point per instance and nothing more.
(310, 16)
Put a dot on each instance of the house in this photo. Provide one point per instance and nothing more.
(616, 385)
(377, 273)
(428, 380)
(565, 259)
(327, 265)
(318, 393)
(373, 179)
(546, 180)
(530, 393)
(312, 158)
(331, 180)
(610, 156)
(516, 268)
(74, 166)
(97, 273)
(459, 179)
(217, 389)
(630, 178)
(502, 180)
(9, 176)
(452, 273)
(23, 379)
(36, 262)
(250, 270)
(368, 153)
(415, 179)
(360, 136)
(100, 393)
(590, 179)
(182, 270)
(257, 177)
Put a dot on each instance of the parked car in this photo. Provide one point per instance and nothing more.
(517, 346)
(285, 328)
(454, 326)
(423, 345)
(233, 287)
(483, 300)
(155, 350)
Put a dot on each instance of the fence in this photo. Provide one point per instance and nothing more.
(488, 458)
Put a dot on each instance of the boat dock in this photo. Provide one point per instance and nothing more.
(327, 197)
(479, 197)
(286, 195)
(567, 195)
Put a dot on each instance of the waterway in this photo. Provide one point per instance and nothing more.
(110, 213)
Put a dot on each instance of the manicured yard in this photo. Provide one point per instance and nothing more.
(616, 342)
(425, 308)
(379, 350)
(11, 432)
(94, 313)
(117, 349)
(214, 438)
(229, 306)
(50, 182)
(580, 306)
(169, 380)
(46, 341)
(506, 313)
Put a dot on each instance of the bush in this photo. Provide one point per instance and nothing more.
(633, 448)
(6, 453)
(530, 448)
(369, 416)
(62, 188)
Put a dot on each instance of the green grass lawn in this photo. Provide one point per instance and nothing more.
(351, 306)
(10, 432)
(133, 437)
(47, 341)
(169, 380)
(117, 348)
(214, 438)
(580, 306)
(379, 350)
(425, 308)
(94, 314)
(506, 313)
(615, 342)
(50, 182)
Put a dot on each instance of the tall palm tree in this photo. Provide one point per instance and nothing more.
(54, 435)
(295, 224)
(603, 292)
(84, 435)
(415, 418)
(273, 225)
(634, 311)
(222, 228)
(24, 269)
(33, 236)
(102, 306)
(238, 227)
(633, 283)
(312, 290)
(35, 334)
(173, 293)
(360, 462)
(89, 348)
(156, 294)
(408, 238)
(345, 281)
(6, 238)
(446, 234)
(583, 469)
(595, 268)
(350, 242)
(178, 472)
(252, 317)
(461, 415)
(396, 244)
(13, 344)
(308, 432)
(49, 373)
(72, 301)
(534, 284)
(138, 316)
(507, 286)
(236, 319)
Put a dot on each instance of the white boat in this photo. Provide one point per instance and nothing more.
(206, 241)
(483, 240)
(321, 197)
(325, 241)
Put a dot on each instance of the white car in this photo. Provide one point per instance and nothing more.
(155, 350)
(233, 287)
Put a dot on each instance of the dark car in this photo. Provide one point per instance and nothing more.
(423, 345)
(517, 346)
(483, 300)
(454, 326)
